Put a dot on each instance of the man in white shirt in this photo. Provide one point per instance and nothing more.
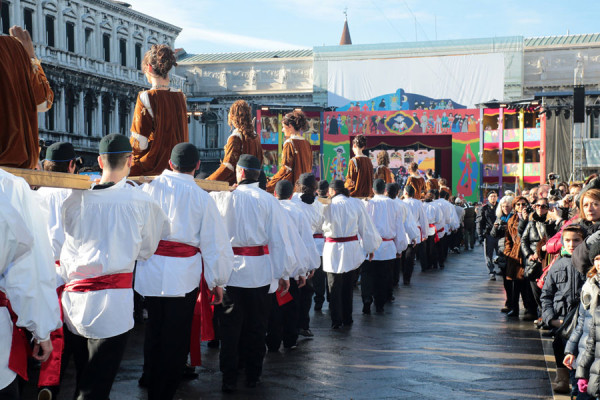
(106, 229)
(429, 257)
(319, 279)
(169, 280)
(344, 219)
(417, 210)
(376, 274)
(27, 283)
(258, 234)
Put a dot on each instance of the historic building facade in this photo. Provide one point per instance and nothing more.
(91, 52)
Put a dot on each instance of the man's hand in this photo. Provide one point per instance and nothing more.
(371, 255)
(301, 281)
(533, 257)
(310, 274)
(556, 323)
(24, 37)
(45, 347)
(568, 361)
(218, 296)
(284, 286)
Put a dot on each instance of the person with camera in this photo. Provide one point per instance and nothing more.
(503, 213)
(539, 228)
(485, 222)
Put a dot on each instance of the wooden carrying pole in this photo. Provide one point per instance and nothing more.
(82, 182)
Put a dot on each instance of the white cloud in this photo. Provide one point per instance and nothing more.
(194, 36)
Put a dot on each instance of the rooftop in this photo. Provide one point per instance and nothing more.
(244, 56)
(563, 40)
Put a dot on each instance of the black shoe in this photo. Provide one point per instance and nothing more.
(513, 314)
(189, 373)
(143, 381)
(529, 317)
(228, 388)
(336, 326)
(505, 310)
(379, 310)
(348, 323)
(318, 307)
(213, 344)
(366, 309)
(492, 277)
(406, 283)
(442, 266)
(252, 383)
(306, 333)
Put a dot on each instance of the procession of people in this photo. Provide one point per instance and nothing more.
(241, 267)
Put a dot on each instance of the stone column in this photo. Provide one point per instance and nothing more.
(61, 115)
(80, 127)
(99, 132)
(115, 116)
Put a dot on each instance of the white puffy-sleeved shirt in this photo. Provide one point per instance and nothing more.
(460, 213)
(418, 211)
(254, 217)
(194, 220)
(450, 218)
(314, 214)
(27, 272)
(346, 217)
(434, 216)
(309, 257)
(389, 219)
(106, 231)
(54, 198)
(410, 224)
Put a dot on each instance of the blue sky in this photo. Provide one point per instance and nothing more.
(213, 26)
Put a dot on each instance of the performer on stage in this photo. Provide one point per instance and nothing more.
(344, 219)
(296, 154)
(432, 183)
(243, 140)
(106, 228)
(169, 280)
(359, 180)
(416, 180)
(257, 229)
(24, 92)
(388, 217)
(383, 171)
(160, 116)
(444, 187)
(27, 284)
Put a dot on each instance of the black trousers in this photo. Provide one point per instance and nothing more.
(243, 314)
(508, 289)
(442, 249)
(558, 346)
(96, 364)
(396, 270)
(375, 282)
(11, 392)
(537, 294)
(522, 289)
(408, 263)
(340, 297)
(167, 342)
(305, 293)
(283, 320)
(319, 281)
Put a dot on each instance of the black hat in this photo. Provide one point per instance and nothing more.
(114, 144)
(337, 185)
(379, 186)
(410, 190)
(594, 251)
(262, 180)
(185, 155)
(323, 185)
(60, 152)
(392, 189)
(284, 189)
(308, 179)
(248, 161)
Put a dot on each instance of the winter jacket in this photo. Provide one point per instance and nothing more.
(588, 364)
(576, 343)
(485, 220)
(535, 231)
(470, 215)
(560, 293)
(512, 249)
(554, 244)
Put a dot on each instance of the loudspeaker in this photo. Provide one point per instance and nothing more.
(578, 104)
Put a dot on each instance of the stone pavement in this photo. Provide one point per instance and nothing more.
(443, 338)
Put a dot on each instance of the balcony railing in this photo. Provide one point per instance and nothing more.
(211, 154)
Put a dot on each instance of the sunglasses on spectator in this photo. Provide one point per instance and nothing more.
(521, 204)
(542, 206)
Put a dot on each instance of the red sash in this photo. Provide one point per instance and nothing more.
(19, 348)
(50, 369)
(387, 240)
(341, 239)
(318, 236)
(252, 251)
(436, 238)
(202, 322)
(167, 248)
(113, 281)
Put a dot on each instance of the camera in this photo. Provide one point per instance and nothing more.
(553, 177)
(529, 208)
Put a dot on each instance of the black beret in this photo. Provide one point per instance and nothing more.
(248, 161)
(379, 186)
(185, 155)
(114, 144)
(410, 190)
(308, 179)
(323, 185)
(284, 189)
(337, 184)
(60, 152)
(392, 189)
(594, 251)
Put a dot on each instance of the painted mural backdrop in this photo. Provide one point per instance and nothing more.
(400, 159)
(465, 165)
(400, 100)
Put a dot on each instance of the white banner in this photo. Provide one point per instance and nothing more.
(466, 80)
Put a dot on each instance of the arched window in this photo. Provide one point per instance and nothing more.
(212, 131)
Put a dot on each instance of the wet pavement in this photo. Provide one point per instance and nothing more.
(443, 338)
